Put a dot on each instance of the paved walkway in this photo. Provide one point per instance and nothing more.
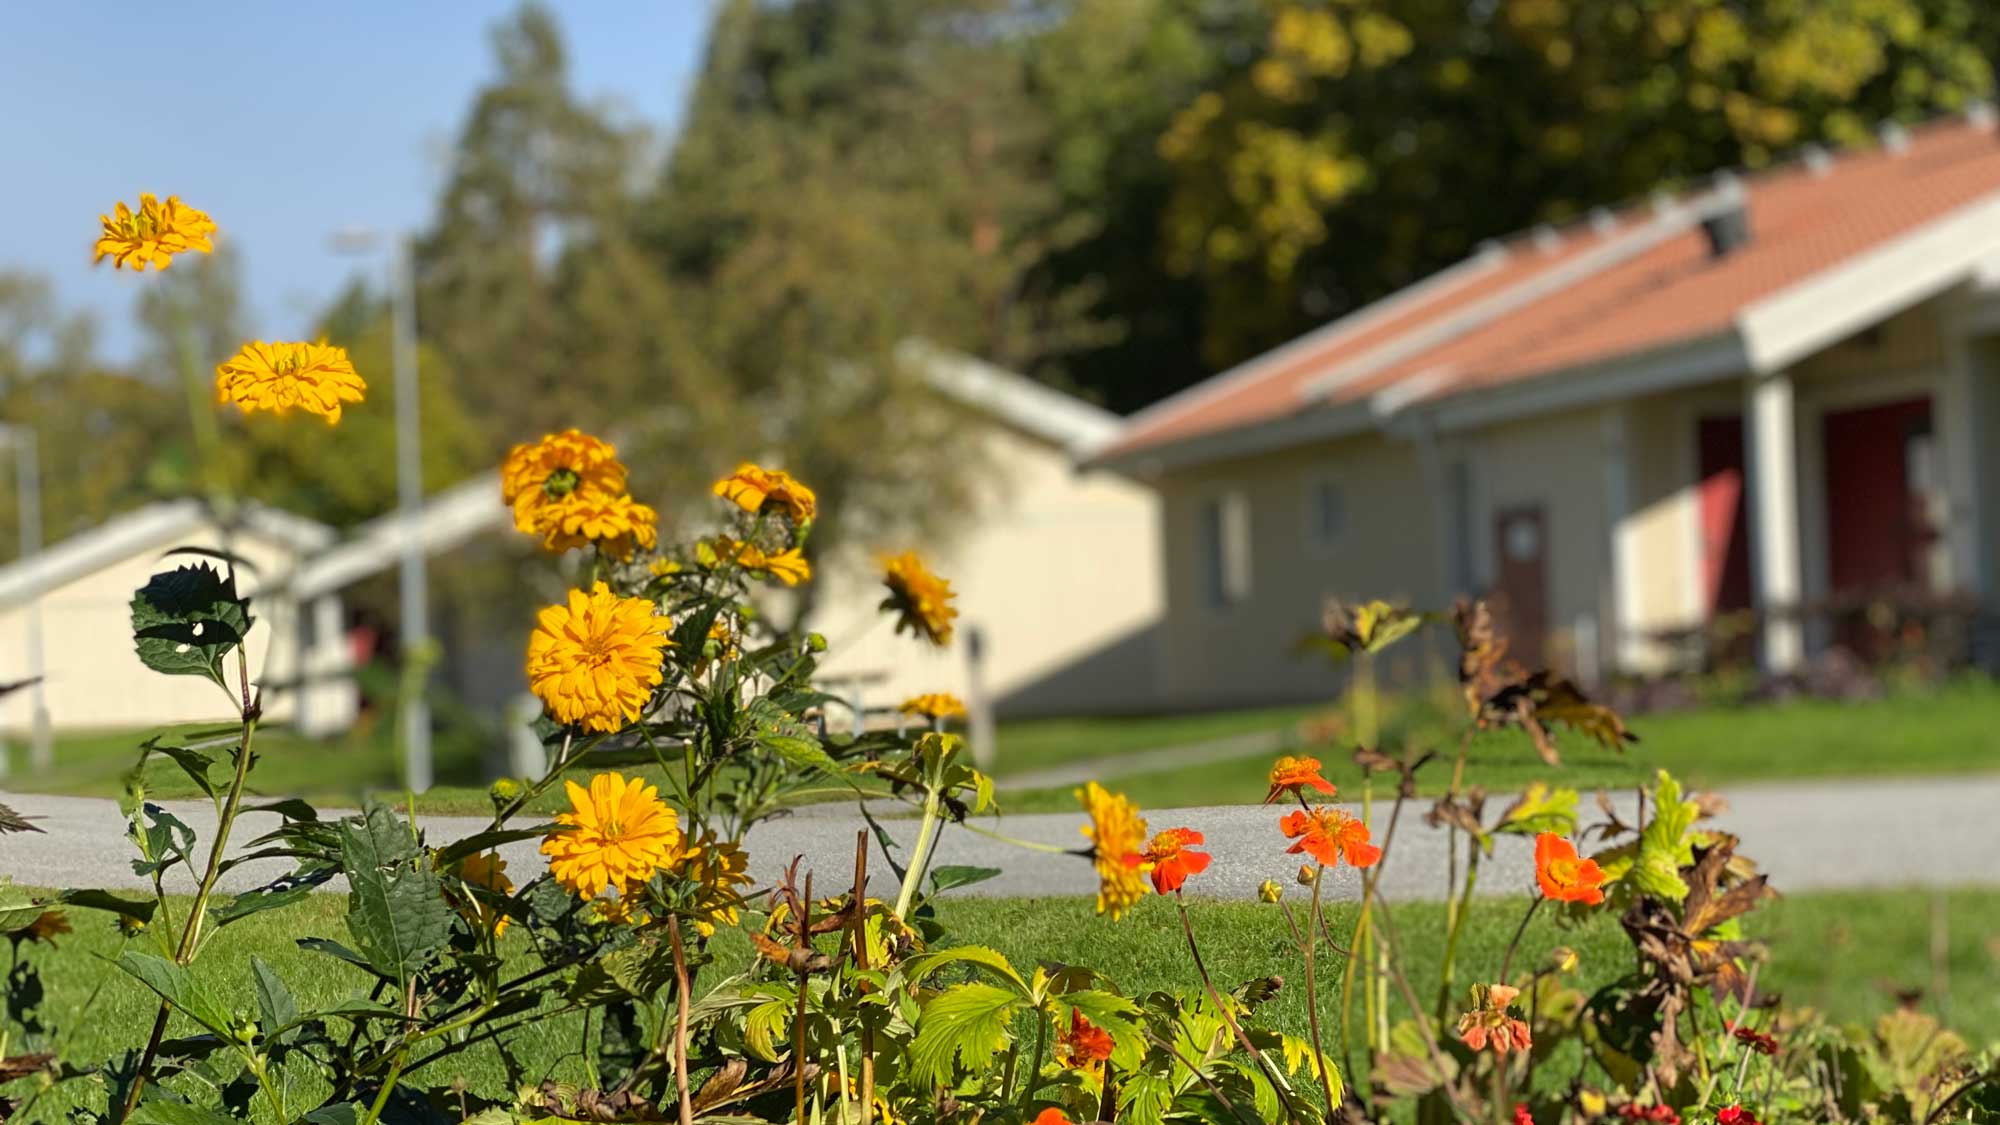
(1839, 834)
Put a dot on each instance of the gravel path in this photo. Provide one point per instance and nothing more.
(1840, 834)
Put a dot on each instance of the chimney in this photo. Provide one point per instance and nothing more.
(1894, 138)
(1818, 160)
(1726, 218)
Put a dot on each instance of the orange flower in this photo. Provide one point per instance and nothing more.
(1329, 834)
(1051, 1116)
(1488, 1022)
(1168, 859)
(1295, 776)
(1084, 1046)
(1562, 875)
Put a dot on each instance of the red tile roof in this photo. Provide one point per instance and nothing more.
(1802, 222)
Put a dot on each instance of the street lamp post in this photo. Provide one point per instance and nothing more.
(413, 586)
(28, 487)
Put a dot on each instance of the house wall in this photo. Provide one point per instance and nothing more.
(93, 679)
(1057, 573)
(1243, 654)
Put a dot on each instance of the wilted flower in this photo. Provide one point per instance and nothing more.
(1562, 875)
(281, 377)
(1269, 891)
(154, 233)
(618, 833)
(1488, 1022)
(1294, 776)
(1084, 1047)
(751, 487)
(1563, 959)
(934, 705)
(1116, 832)
(1756, 1040)
(921, 599)
(1329, 835)
(595, 661)
(1170, 861)
(45, 927)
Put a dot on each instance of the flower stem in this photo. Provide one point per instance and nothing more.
(1312, 998)
(1507, 959)
(920, 856)
(1448, 965)
(681, 986)
(1229, 1017)
(1032, 1081)
(860, 936)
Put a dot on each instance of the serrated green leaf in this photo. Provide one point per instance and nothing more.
(185, 620)
(162, 1112)
(396, 910)
(924, 964)
(764, 1025)
(1116, 1015)
(1540, 809)
(276, 1007)
(177, 988)
(967, 1023)
(1143, 1098)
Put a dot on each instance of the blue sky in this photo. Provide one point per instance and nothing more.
(284, 121)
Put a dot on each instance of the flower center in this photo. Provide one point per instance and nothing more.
(561, 483)
(1562, 871)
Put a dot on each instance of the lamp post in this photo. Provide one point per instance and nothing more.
(413, 586)
(28, 487)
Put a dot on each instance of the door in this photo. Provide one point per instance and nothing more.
(1521, 591)
(1878, 533)
(1725, 525)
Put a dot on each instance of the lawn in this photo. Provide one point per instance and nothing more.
(1950, 729)
(1840, 954)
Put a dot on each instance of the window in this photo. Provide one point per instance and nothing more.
(1224, 530)
(1326, 513)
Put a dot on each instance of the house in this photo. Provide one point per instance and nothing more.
(1057, 571)
(1771, 392)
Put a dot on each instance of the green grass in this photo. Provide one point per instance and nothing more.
(1939, 731)
(1838, 953)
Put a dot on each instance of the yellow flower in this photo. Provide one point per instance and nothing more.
(719, 867)
(595, 661)
(934, 705)
(618, 910)
(921, 599)
(488, 871)
(315, 378)
(46, 926)
(154, 233)
(788, 566)
(619, 833)
(751, 486)
(618, 525)
(569, 488)
(1117, 834)
(665, 568)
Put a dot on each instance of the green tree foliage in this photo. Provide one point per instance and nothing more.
(1364, 143)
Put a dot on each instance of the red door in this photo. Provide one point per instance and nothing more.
(1521, 594)
(1725, 525)
(1876, 531)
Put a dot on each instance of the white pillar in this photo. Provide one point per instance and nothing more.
(1770, 427)
(1958, 413)
(1626, 650)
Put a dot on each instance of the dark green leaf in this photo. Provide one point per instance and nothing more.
(276, 1009)
(396, 909)
(174, 986)
(161, 1112)
(141, 909)
(957, 875)
(185, 620)
(339, 1113)
(487, 841)
(281, 892)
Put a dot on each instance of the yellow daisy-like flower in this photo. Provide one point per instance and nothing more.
(751, 486)
(595, 661)
(921, 599)
(619, 910)
(486, 870)
(934, 705)
(153, 234)
(540, 480)
(619, 833)
(788, 566)
(1117, 834)
(281, 377)
(719, 866)
(618, 525)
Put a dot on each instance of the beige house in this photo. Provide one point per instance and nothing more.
(1769, 394)
(1057, 570)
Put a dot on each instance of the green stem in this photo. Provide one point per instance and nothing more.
(1507, 959)
(1446, 968)
(388, 1087)
(1228, 1017)
(1033, 1081)
(920, 858)
(1312, 999)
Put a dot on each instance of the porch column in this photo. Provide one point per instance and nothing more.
(1960, 413)
(1627, 648)
(1770, 429)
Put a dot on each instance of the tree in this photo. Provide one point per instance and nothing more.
(1364, 143)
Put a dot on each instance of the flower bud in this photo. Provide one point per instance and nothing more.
(504, 790)
(816, 642)
(1269, 891)
(1563, 959)
(1306, 875)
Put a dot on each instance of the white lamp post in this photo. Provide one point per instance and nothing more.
(413, 586)
(28, 487)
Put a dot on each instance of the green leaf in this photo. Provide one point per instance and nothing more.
(1143, 1098)
(347, 1113)
(140, 909)
(174, 986)
(275, 1006)
(966, 1022)
(396, 909)
(787, 737)
(185, 620)
(1540, 809)
(1665, 845)
(764, 1025)
(487, 841)
(18, 909)
(161, 1112)
(950, 876)
(1113, 1013)
(165, 837)
(923, 965)
(197, 762)
(1269, 1108)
